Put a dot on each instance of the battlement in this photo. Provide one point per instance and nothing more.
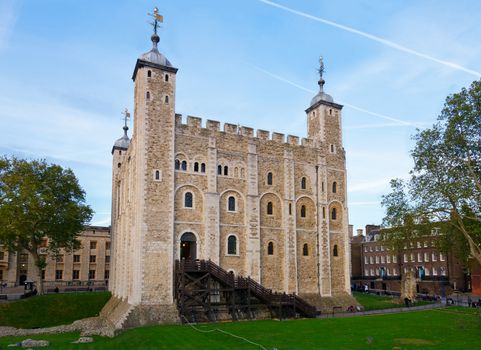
(215, 126)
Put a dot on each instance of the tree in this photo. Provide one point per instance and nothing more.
(445, 184)
(40, 201)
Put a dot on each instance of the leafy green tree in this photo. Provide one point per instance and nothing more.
(445, 185)
(40, 201)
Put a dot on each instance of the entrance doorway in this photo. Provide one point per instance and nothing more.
(188, 246)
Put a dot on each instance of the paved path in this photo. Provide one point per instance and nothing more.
(394, 310)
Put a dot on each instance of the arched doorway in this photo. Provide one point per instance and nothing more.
(188, 246)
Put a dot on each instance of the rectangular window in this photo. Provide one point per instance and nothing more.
(405, 258)
(388, 259)
(425, 244)
(365, 249)
(76, 258)
(418, 244)
(435, 272)
(377, 260)
(412, 257)
(441, 257)
(434, 256)
(366, 272)
(93, 258)
(107, 274)
(23, 259)
(382, 259)
(370, 248)
(59, 258)
(58, 274)
(377, 248)
(75, 274)
(2, 255)
(426, 257)
(107, 259)
(382, 248)
(394, 259)
(91, 274)
(426, 271)
(420, 257)
(1, 275)
(107, 245)
(372, 272)
(43, 274)
(371, 260)
(366, 261)
(93, 245)
(388, 271)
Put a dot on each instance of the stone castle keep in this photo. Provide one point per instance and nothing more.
(255, 203)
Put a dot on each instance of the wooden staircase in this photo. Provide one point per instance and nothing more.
(205, 292)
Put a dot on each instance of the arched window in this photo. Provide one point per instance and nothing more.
(177, 164)
(334, 214)
(219, 170)
(188, 200)
(196, 167)
(147, 95)
(334, 187)
(269, 178)
(305, 249)
(166, 77)
(303, 211)
(231, 203)
(334, 250)
(202, 168)
(149, 73)
(269, 208)
(119, 165)
(157, 175)
(303, 183)
(236, 172)
(166, 99)
(226, 170)
(270, 248)
(232, 245)
(184, 165)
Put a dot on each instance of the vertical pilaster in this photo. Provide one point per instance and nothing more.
(211, 205)
(324, 253)
(289, 217)
(253, 220)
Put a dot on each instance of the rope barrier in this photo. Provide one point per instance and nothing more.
(224, 332)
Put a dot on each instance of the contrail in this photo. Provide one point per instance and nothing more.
(374, 38)
(379, 115)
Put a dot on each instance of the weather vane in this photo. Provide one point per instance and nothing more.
(157, 19)
(126, 117)
(321, 66)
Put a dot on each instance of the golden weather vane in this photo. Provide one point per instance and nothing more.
(157, 19)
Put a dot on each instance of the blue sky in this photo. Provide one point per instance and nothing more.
(65, 76)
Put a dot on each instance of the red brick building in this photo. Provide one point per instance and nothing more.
(374, 264)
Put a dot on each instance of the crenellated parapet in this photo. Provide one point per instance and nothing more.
(195, 126)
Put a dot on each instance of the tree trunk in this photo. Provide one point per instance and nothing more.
(39, 281)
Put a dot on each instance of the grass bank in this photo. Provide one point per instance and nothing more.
(51, 310)
(450, 328)
(377, 302)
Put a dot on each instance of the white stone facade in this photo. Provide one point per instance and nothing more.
(176, 180)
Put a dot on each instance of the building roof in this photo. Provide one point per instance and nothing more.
(154, 56)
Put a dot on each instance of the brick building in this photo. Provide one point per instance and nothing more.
(257, 204)
(91, 263)
(381, 268)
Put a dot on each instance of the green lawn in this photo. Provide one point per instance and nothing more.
(450, 328)
(376, 302)
(51, 310)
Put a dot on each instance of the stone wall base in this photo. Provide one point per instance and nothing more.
(336, 303)
(142, 315)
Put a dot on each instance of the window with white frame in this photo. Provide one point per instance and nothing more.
(441, 257)
(427, 271)
(394, 259)
(434, 256)
(366, 272)
(388, 259)
(420, 257)
(426, 257)
(425, 244)
(382, 259)
(371, 260)
(232, 245)
(435, 272)
(366, 261)
(443, 271)
(377, 260)
(418, 244)
(405, 258)
(365, 249)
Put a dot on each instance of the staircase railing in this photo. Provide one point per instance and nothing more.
(256, 289)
